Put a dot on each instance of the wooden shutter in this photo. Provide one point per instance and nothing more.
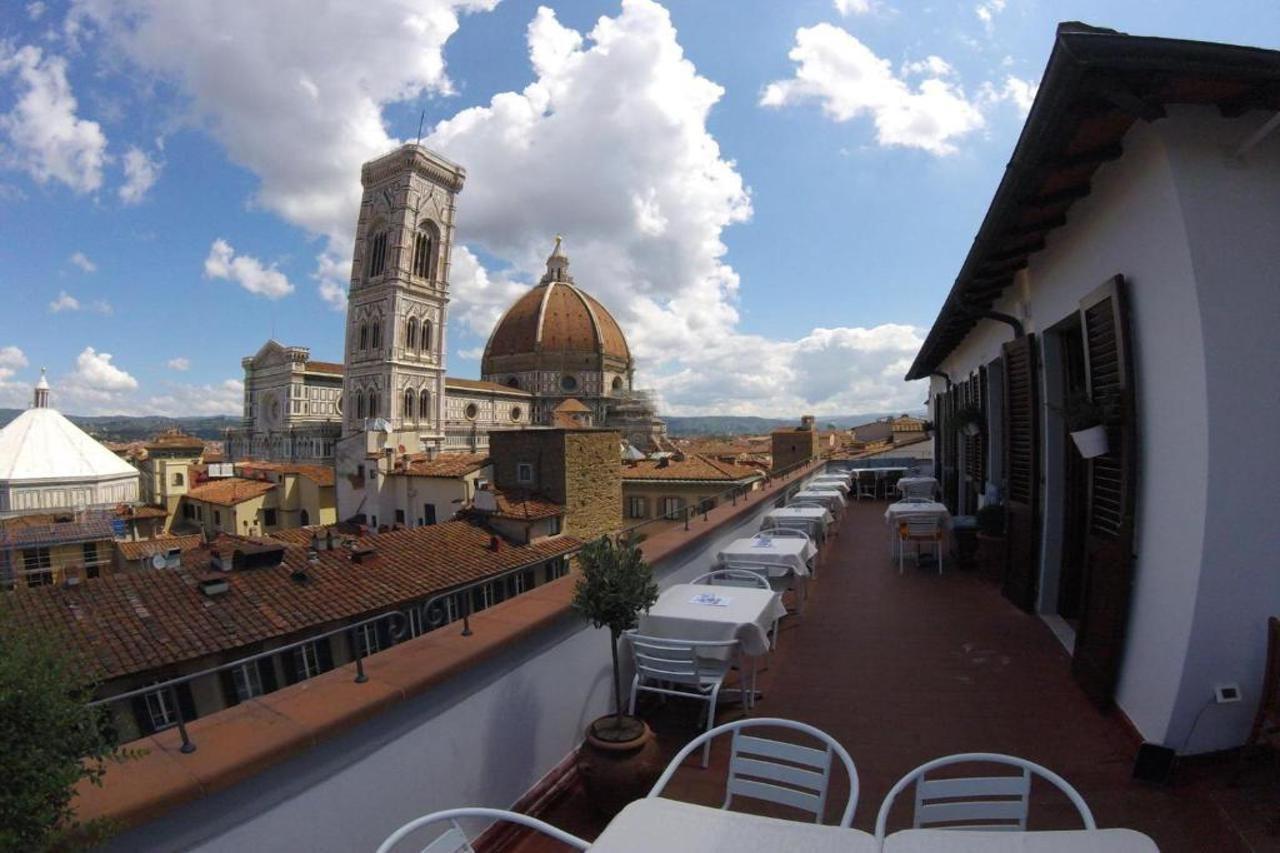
(1108, 574)
(1022, 472)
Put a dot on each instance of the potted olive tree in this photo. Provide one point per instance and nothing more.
(619, 760)
(1086, 421)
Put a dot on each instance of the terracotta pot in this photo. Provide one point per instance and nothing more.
(616, 772)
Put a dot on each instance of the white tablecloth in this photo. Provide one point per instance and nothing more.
(973, 841)
(894, 512)
(836, 476)
(887, 470)
(812, 519)
(914, 481)
(782, 554)
(839, 484)
(747, 617)
(831, 498)
(656, 824)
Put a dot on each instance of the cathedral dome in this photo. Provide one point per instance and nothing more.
(556, 321)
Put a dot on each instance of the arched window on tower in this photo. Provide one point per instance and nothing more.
(377, 254)
(410, 401)
(374, 411)
(426, 335)
(424, 405)
(424, 247)
(364, 336)
(360, 405)
(376, 336)
(411, 334)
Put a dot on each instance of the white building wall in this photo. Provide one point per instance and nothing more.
(1132, 224)
(1232, 210)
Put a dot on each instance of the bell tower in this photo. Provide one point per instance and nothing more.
(394, 356)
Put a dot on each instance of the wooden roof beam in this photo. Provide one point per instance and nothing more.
(1020, 252)
(1040, 226)
(1130, 102)
(1266, 96)
(1063, 196)
(1092, 157)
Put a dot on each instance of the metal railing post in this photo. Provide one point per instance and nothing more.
(187, 746)
(688, 511)
(361, 678)
(466, 614)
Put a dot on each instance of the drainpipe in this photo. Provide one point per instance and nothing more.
(1013, 321)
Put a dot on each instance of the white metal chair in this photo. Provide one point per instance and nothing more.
(665, 666)
(864, 485)
(784, 533)
(757, 765)
(454, 840)
(734, 577)
(922, 530)
(887, 483)
(980, 802)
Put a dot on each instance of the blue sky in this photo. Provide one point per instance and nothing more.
(773, 197)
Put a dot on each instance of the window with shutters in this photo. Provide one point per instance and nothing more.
(247, 681)
(672, 507)
(637, 507)
(306, 661)
(1106, 388)
(368, 641)
(160, 709)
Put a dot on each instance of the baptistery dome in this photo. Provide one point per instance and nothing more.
(557, 341)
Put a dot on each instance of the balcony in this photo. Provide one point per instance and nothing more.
(899, 669)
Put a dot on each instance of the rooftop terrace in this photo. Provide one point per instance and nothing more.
(899, 669)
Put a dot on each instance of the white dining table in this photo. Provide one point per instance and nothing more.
(745, 615)
(906, 482)
(845, 477)
(656, 824)
(828, 483)
(781, 555)
(975, 841)
(895, 512)
(831, 498)
(811, 519)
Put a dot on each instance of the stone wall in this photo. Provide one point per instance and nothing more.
(791, 446)
(580, 469)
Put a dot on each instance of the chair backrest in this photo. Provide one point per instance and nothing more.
(917, 490)
(758, 763)
(915, 499)
(676, 661)
(733, 577)
(981, 802)
(454, 840)
(919, 526)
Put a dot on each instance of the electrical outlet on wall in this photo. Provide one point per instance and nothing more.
(1225, 693)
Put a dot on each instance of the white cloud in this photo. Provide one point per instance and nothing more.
(294, 96)
(853, 7)
(140, 173)
(95, 386)
(64, 302)
(935, 65)
(849, 80)
(246, 271)
(45, 137)
(1017, 91)
(81, 260)
(35, 10)
(223, 398)
(67, 302)
(11, 359)
(179, 363)
(987, 11)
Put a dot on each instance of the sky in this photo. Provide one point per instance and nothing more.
(773, 198)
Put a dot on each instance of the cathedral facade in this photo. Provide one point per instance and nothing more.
(391, 398)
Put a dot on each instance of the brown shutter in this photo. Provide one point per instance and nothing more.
(1108, 575)
(1022, 472)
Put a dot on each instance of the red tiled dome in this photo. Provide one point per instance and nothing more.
(557, 317)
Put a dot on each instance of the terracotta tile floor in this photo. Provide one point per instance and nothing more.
(902, 669)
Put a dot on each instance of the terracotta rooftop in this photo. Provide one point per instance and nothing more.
(447, 465)
(146, 547)
(175, 439)
(692, 467)
(140, 621)
(319, 474)
(229, 492)
(331, 367)
(483, 385)
(127, 511)
(523, 505)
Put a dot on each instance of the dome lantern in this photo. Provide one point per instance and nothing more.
(557, 265)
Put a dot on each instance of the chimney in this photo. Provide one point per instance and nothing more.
(361, 554)
(495, 543)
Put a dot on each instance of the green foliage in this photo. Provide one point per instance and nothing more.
(1082, 412)
(49, 741)
(615, 585)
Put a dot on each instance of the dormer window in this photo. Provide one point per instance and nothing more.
(377, 254)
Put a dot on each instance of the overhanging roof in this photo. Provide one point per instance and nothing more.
(1097, 84)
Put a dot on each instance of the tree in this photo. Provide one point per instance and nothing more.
(615, 585)
(49, 740)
